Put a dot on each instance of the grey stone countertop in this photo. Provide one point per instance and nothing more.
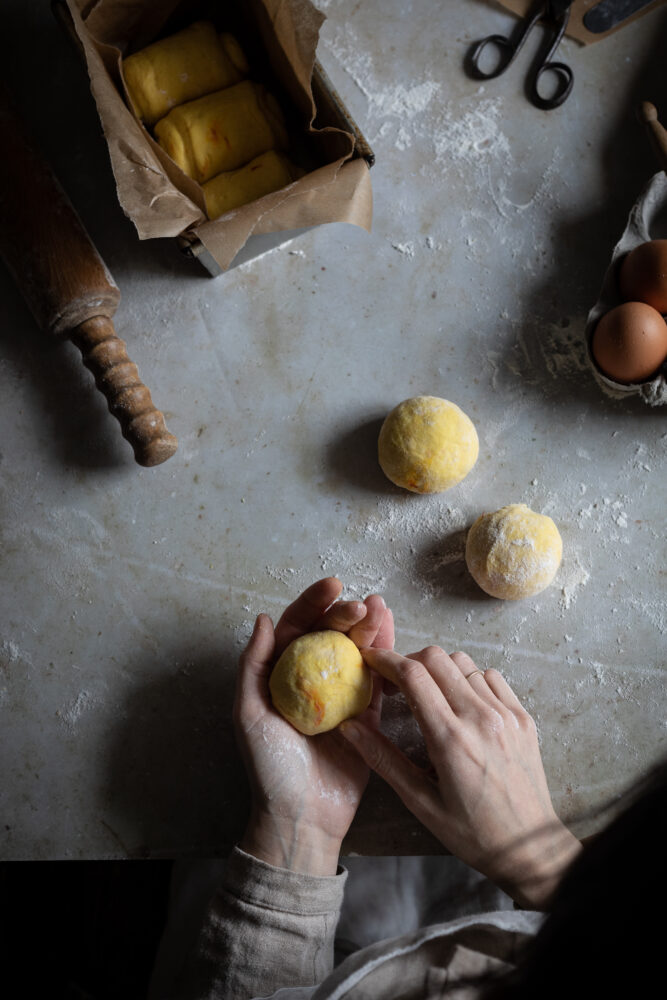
(127, 593)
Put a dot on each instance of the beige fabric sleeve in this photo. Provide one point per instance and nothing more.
(265, 928)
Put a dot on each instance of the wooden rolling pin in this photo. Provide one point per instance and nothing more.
(67, 286)
(656, 132)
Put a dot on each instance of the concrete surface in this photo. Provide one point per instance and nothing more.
(127, 593)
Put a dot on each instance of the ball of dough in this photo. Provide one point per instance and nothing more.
(427, 444)
(320, 680)
(513, 552)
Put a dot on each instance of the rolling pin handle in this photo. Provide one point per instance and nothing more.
(105, 355)
(657, 133)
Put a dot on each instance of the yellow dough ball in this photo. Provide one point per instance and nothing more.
(222, 131)
(513, 552)
(233, 188)
(180, 68)
(427, 444)
(320, 680)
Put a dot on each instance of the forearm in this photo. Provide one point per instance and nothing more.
(266, 928)
(532, 872)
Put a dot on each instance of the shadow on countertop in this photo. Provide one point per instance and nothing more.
(175, 785)
(68, 419)
(49, 84)
(553, 353)
(102, 923)
(50, 88)
(352, 458)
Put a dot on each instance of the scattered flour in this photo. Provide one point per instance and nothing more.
(405, 248)
(72, 712)
(9, 652)
(572, 577)
(472, 138)
(400, 101)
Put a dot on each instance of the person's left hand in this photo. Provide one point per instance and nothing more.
(305, 789)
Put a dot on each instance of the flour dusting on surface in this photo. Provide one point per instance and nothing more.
(72, 712)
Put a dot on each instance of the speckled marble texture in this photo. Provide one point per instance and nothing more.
(127, 593)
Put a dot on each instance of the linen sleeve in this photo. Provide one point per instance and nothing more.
(265, 928)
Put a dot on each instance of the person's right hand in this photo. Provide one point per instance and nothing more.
(488, 802)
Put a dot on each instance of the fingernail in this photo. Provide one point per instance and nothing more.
(262, 621)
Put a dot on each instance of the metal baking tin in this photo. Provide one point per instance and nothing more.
(331, 111)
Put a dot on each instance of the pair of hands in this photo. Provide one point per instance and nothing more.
(486, 798)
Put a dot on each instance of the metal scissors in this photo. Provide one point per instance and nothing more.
(556, 13)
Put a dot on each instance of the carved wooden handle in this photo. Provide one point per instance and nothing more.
(656, 132)
(67, 286)
(129, 400)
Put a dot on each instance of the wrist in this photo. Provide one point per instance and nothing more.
(285, 844)
(532, 877)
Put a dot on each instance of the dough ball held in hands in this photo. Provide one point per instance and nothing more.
(222, 131)
(187, 65)
(427, 444)
(320, 680)
(513, 552)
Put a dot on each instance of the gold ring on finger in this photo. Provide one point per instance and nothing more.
(472, 674)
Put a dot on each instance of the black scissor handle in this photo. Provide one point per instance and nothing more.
(509, 48)
(507, 52)
(565, 80)
(556, 13)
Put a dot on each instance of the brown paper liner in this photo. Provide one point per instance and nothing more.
(158, 197)
(576, 28)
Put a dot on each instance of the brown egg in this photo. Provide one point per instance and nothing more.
(630, 342)
(643, 275)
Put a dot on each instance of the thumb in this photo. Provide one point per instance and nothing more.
(255, 666)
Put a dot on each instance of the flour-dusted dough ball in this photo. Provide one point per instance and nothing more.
(427, 444)
(513, 552)
(320, 680)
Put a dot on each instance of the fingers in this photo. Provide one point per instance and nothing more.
(366, 630)
(411, 784)
(465, 663)
(372, 714)
(366, 622)
(255, 666)
(385, 637)
(506, 696)
(308, 609)
(475, 677)
(460, 695)
(490, 686)
(439, 687)
(417, 685)
(342, 616)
